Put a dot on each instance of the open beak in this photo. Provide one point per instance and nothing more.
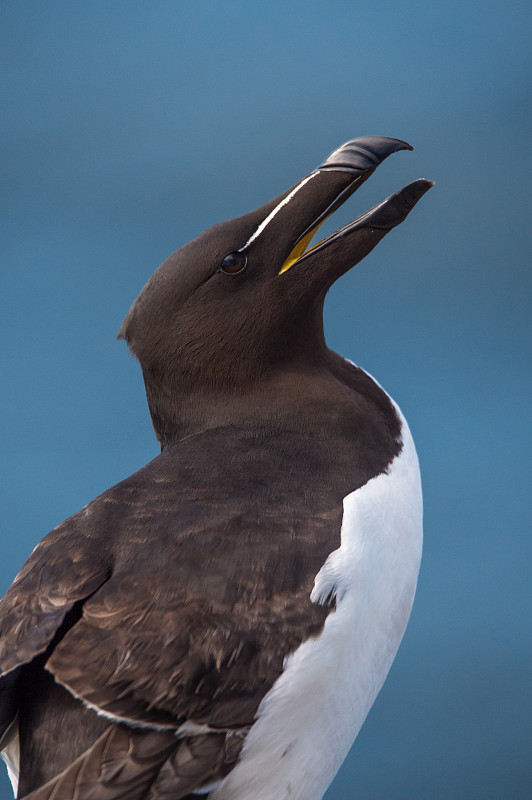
(355, 160)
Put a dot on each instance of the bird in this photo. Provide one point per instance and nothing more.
(218, 624)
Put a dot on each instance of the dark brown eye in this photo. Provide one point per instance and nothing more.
(233, 263)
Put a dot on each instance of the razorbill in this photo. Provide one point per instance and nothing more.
(220, 622)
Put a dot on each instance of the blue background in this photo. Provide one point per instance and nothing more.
(130, 127)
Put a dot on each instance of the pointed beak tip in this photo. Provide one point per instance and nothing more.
(364, 154)
(406, 146)
(419, 187)
(406, 198)
(396, 208)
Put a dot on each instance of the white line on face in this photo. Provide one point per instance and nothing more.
(277, 208)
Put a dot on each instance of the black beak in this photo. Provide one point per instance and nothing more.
(383, 217)
(358, 158)
(294, 220)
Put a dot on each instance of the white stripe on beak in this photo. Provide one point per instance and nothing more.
(277, 208)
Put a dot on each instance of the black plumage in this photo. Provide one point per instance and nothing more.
(170, 602)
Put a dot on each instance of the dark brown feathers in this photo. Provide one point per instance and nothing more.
(128, 764)
(140, 637)
(176, 595)
(66, 567)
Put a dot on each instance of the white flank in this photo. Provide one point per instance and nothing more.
(207, 789)
(11, 753)
(309, 719)
(277, 208)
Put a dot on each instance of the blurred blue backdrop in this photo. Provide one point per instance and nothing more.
(128, 128)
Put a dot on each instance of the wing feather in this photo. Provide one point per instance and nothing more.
(183, 604)
(129, 764)
(64, 569)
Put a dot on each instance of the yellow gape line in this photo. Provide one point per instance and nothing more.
(301, 247)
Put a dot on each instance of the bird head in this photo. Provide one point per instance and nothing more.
(245, 298)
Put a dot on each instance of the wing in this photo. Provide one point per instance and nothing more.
(173, 599)
(44, 599)
(195, 640)
(139, 765)
(66, 567)
(203, 592)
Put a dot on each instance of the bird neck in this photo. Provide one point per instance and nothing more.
(285, 400)
(325, 398)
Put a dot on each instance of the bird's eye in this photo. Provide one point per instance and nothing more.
(233, 263)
